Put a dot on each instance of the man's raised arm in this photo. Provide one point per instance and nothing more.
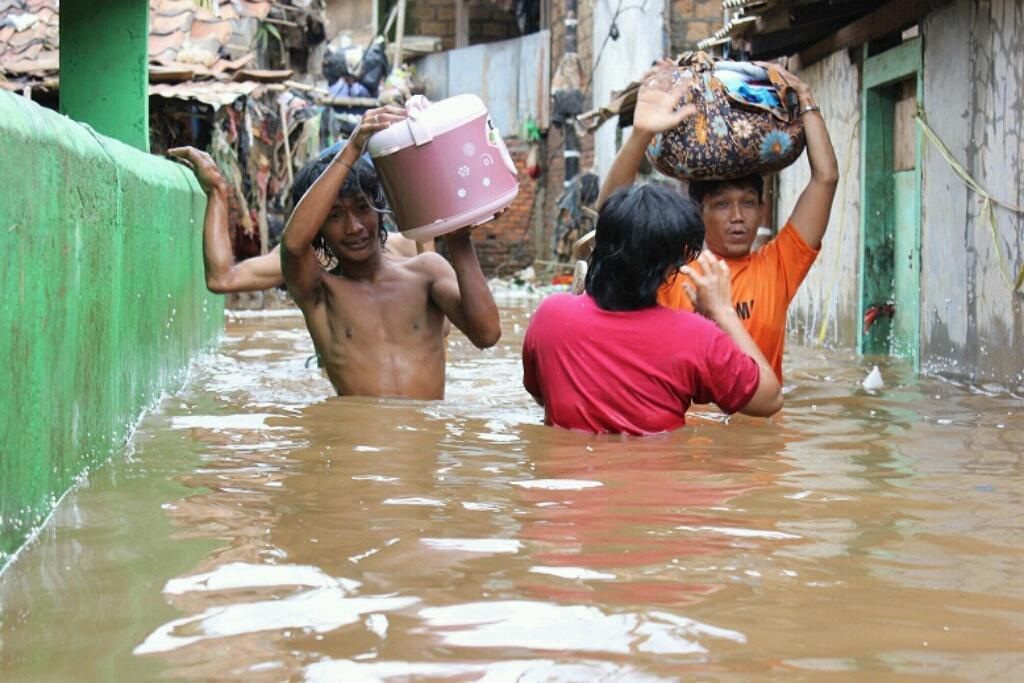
(658, 109)
(464, 296)
(223, 275)
(810, 215)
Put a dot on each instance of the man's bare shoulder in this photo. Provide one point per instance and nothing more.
(428, 263)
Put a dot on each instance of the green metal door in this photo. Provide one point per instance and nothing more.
(906, 260)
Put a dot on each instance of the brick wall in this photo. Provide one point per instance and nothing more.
(487, 21)
(504, 245)
(693, 21)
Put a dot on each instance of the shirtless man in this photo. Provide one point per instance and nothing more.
(764, 281)
(377, 321)
(223, 274)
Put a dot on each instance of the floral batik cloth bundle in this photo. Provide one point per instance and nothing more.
(746, 122)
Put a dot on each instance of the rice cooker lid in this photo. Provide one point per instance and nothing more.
(435, 117)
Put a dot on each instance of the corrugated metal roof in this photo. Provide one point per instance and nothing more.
(215, 93)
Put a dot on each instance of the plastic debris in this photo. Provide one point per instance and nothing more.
(873, 381)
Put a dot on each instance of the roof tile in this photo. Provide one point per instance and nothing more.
(204, 29)
(161, 25)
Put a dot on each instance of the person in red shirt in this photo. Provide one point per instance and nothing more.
(765, 281)
(613, 361)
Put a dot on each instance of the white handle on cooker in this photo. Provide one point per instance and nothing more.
(418, 128)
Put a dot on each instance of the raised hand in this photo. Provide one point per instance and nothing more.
(202, 164)
(659, 103)
(375, 120)
(711, 291)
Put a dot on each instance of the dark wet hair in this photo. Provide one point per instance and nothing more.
(701, 189)
(644, 233)
(361, 180)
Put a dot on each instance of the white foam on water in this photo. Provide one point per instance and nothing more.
(320, 610)
(372, 477)
(573, 573)
(474, 545)
(543, 626)
(430, 502)
(740, 533)
(271, 313)
(489, 507)
(244, 575)
(377, 624)
(558, 484)
(521, 671)
(254, 353)
(239, 421)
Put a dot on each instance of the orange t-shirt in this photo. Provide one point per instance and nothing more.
(763, 284)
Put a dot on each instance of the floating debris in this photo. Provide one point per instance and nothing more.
(873, 381)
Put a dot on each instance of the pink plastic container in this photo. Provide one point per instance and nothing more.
(444, 168)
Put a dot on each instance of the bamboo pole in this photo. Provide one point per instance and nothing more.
(399, 33)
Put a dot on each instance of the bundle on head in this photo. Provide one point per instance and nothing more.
(747, 122)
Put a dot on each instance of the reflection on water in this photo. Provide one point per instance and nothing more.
(260, 532)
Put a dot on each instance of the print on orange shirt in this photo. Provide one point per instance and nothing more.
(763, 284)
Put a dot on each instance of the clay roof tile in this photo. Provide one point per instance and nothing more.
(162, 25)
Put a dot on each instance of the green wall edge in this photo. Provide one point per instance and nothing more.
(104, 302)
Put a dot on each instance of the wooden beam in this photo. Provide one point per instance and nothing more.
(367, 102)
(399, 33)
(461, 24)
(787, 41)
(892, 16)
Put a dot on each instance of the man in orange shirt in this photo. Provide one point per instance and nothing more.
(763, 282)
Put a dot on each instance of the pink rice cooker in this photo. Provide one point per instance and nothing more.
(444, 168)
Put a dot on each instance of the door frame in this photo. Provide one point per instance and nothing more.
(879, 73)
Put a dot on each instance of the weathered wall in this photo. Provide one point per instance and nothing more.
(103, 305)
(972, 326)
(829, 294)
(511, 77)
(641, 42)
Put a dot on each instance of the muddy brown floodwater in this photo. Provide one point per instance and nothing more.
(259, 531)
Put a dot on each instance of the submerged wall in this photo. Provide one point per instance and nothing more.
(971, 322)
(102, 300)
(825, 307)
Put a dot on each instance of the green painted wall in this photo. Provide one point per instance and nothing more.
(102, 300)
(104, 67)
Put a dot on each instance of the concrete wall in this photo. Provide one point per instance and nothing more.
(512, 77)
(972, 326)
(103, 301)
(641, 42)
(829, 294)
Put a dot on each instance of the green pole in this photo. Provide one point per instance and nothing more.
(104, 67)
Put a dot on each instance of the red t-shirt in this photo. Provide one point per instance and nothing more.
(630, 371)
